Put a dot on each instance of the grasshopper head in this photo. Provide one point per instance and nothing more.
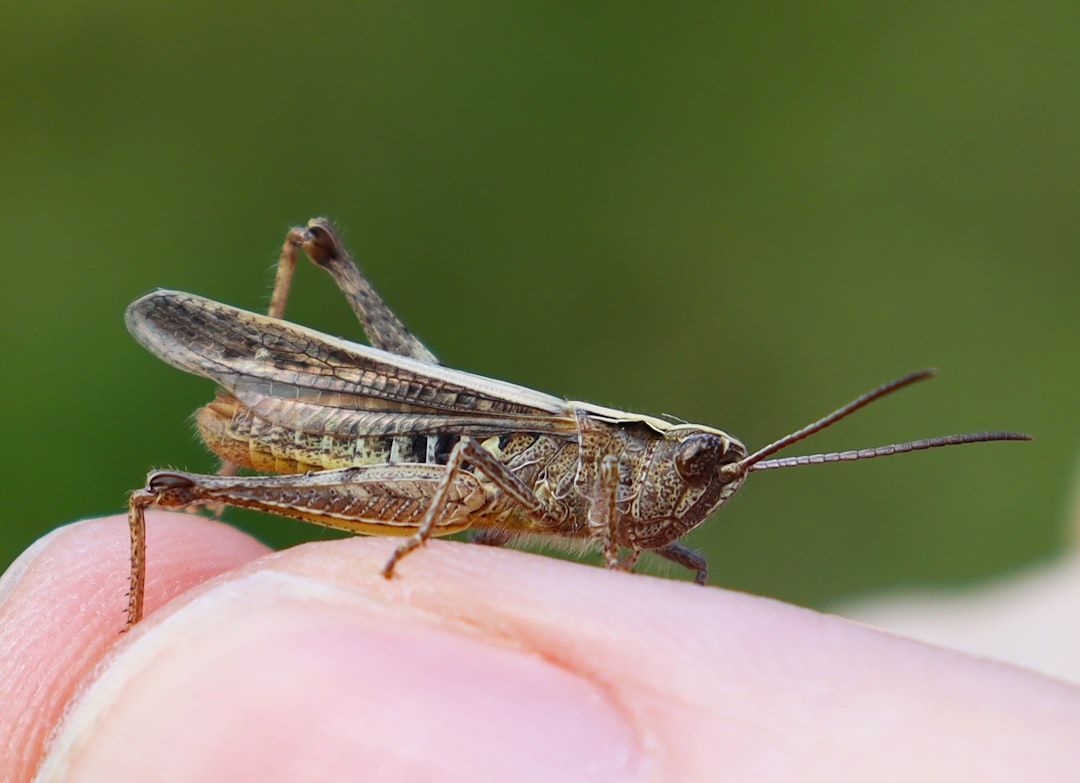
(692, 472)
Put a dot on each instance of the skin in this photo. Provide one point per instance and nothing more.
(476, 664)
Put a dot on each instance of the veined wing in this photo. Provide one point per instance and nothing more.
(298, 377)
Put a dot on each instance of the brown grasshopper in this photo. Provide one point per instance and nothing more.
(385, 440)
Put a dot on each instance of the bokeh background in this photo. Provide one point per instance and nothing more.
(739, 215)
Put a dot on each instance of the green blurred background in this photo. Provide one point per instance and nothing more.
(742, 216)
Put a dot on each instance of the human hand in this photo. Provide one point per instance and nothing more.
(475, 663)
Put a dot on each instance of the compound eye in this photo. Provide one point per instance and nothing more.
(699, 456)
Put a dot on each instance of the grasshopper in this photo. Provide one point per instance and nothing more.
(382, 439)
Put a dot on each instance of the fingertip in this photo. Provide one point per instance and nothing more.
(295, 673)
(62, 607)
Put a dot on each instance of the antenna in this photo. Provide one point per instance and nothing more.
(757, 461)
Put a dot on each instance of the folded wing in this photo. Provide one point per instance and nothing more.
(298, 377)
